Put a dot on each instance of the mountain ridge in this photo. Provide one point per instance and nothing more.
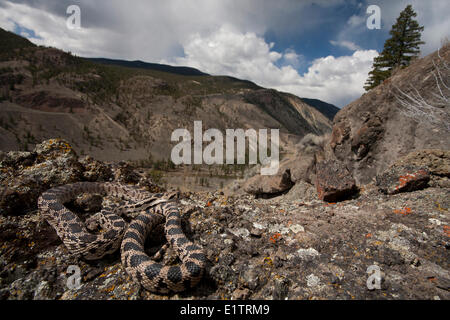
(326, 108)
(181, 70)
(118, 112)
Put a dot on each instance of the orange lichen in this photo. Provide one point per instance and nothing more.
(447, 231)
(404, 179)
(404, 211)
(274, 238)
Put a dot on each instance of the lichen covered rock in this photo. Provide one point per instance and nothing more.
(403, 178)
(25, 175)
(437, 161)
(334, 182)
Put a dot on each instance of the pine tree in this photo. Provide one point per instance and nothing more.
(399, 49)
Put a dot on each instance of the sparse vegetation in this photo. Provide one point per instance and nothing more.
(156, 176)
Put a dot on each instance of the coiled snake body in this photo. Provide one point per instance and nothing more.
(152, 208)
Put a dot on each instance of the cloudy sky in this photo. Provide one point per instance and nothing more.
(313, 48)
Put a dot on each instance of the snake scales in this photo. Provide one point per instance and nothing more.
(151, 208)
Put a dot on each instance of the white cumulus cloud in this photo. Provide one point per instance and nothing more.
(346, 44)
(216, 45)
(338, 80)
(51, 31)
(227, 37)
(226, 51)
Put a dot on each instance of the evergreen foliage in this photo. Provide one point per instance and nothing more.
(398, 50)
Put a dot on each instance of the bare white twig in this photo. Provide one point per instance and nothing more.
(434, 108)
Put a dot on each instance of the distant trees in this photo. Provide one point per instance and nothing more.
(398, 50)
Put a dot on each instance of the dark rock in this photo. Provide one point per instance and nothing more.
(334, 182)
(333, 278)
(228, 259)
(4, 294)
(407, 178)
(25, 175)
(250, 249)
(279, 248)
(366, 136)
(221, 272)
(390, 257)
(436, 161)
(277, 262)
(17, 158)
(415, 262)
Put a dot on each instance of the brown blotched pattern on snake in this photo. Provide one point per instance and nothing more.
(152, 208)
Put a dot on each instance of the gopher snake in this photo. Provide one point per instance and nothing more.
(152, 208)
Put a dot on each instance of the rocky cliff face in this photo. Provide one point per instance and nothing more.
(407, 117)
(409, 111)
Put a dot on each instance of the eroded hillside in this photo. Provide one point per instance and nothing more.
(117, 113)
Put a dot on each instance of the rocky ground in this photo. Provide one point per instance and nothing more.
(292, 246)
